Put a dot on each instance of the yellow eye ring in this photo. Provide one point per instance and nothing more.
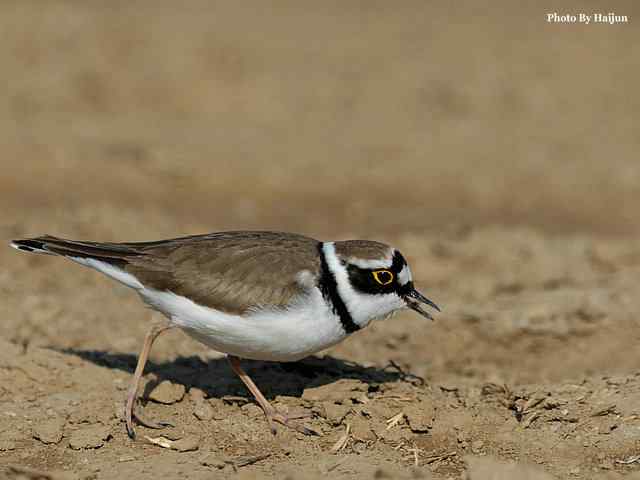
(383, 277)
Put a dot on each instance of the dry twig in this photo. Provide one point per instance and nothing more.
(342, 441)
(395, 420)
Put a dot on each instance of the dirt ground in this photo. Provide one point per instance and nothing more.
(498, 152)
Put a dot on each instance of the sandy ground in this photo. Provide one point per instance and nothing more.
(497, 151)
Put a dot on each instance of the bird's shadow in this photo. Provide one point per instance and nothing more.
(216, 378)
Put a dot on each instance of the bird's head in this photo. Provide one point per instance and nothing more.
(373, 279)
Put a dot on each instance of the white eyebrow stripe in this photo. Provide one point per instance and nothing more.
(371, 264)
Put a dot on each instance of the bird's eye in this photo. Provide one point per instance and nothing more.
(383, 277)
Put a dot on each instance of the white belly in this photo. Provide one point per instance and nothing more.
(305, 327)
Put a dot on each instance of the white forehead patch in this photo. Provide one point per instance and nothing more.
(404, 276)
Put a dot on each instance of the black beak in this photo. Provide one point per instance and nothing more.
(415, 305)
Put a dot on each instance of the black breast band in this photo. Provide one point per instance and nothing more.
(329, 288)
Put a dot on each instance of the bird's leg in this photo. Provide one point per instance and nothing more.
(271, 413)
(132, 395)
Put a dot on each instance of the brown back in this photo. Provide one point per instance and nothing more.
(229, 271)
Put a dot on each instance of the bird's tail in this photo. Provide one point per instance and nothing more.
(31, 245)
(110, 259)
(113, 253)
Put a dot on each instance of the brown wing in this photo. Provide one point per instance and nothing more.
(231, 271)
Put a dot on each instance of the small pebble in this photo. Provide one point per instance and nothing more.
(339, 391)
(476, 446)
(186, 444)
(167, 392)
(213, 460)
(6, 445)
(50, 431)
(335, 413)
(202, 409)
(89, 437)
(420, 416)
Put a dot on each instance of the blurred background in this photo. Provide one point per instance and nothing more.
(126, 120)
(497, 150)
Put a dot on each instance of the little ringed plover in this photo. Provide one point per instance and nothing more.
(255, 295)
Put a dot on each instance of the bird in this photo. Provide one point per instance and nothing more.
(258, 295)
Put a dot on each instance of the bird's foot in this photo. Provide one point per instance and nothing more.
(145, 422)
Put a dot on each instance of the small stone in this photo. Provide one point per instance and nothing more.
(252, 410)
(361, 429)
(337, 392)
(476, 446)
(167, 392)
(6, 445)
(203, 411)
(50, 431)
(335, 413)
(89, 437)
(235, 400)
(463, 438)
(219, 408)
(213, 460)
(420, 416)
(172, 434)
(186, 444)
(196, 394)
